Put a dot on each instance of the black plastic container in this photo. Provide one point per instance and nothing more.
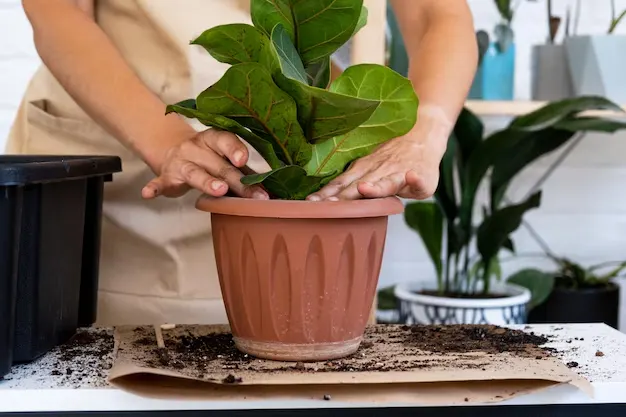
(50, 218)
(588, 305)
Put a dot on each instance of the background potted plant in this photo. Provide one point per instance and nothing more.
(465, 254)
(495, 76)
(595, 61)
(550, 73)
(572, 293)
(299, 277)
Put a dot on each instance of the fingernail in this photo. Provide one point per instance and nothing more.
(238, 156)
(260, 195)
(313, 198)
(369, 184)
(333, 199)
(216, 185)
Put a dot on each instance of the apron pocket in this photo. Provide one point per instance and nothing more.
(49, 134)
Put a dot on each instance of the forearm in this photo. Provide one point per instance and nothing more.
(91, 70)
(443, 56)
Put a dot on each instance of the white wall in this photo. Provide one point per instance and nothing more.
(583, 214)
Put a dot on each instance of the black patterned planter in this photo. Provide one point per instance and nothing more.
(417, 308)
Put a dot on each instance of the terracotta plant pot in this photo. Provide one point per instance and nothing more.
(298, 278)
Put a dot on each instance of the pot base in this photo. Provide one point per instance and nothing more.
(298, 352)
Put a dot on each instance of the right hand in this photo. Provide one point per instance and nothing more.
(210, 162)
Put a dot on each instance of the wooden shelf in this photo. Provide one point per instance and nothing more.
(518, 108)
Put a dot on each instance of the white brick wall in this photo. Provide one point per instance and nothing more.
(584, 209)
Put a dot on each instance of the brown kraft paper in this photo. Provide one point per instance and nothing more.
(393, 365)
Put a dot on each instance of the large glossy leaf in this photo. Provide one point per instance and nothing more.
(266, 14)
(468, 131)
(288, 183)
(264, 147)
(557, 111)
(395, 116)
(322, 26)
(318, 73)
(235, 44)
(590, 124)
(520, 155)
(482, 158)
(445, 193)
(427, 219)
(360, 24)
(539, 283)
(495, 229)
(247, 94)
(322, 114)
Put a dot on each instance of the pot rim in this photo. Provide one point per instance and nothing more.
(292, 209)
(516, 295)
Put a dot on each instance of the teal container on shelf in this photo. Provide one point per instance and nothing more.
(495, 77)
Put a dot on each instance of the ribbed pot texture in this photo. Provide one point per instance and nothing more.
(298, 278)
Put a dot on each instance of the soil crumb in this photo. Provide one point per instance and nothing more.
(599, 353)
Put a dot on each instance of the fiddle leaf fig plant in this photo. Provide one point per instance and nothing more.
(277, 95)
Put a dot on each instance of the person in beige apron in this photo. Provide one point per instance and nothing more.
(157, 262)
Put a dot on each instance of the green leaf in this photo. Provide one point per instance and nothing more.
(395, 116)
(360, 24)
(318, 73)
(266, 14)
(495, 229)
(539, 283)
(468, 131)
(504, 8)
(387, 299)
(188, 109)
(321, 113)
(557, 111)
(520, 155)
(235, 44)
(290, 62)
(427, 219)
(509, 245)
(322, 26)
(247, 94)
(445, 193)
(482, 158)
(288, 183)
(590, 124)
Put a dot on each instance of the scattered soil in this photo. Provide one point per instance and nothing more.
(472, 338)
(599, 353)
(463, 295)
(214, 357)
(572, 364)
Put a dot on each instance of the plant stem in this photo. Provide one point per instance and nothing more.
(549, 6)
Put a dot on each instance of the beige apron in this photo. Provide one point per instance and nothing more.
(157, 262)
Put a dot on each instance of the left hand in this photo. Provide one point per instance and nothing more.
(406, 166)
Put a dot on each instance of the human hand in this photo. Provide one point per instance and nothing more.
(406, 166)
(210, 162)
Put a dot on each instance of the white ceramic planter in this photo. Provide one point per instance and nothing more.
(596, 65)
(416, 308)
(550, 74)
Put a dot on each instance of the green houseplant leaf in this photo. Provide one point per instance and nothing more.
(519, 155)
(495, 229)
(236, 43)
(289, 182)
(539, 283)
(188, 109)
(317, 27)
(553, 113)
(427, 219)
(323, 114)
(395, 116)
(247, 94)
